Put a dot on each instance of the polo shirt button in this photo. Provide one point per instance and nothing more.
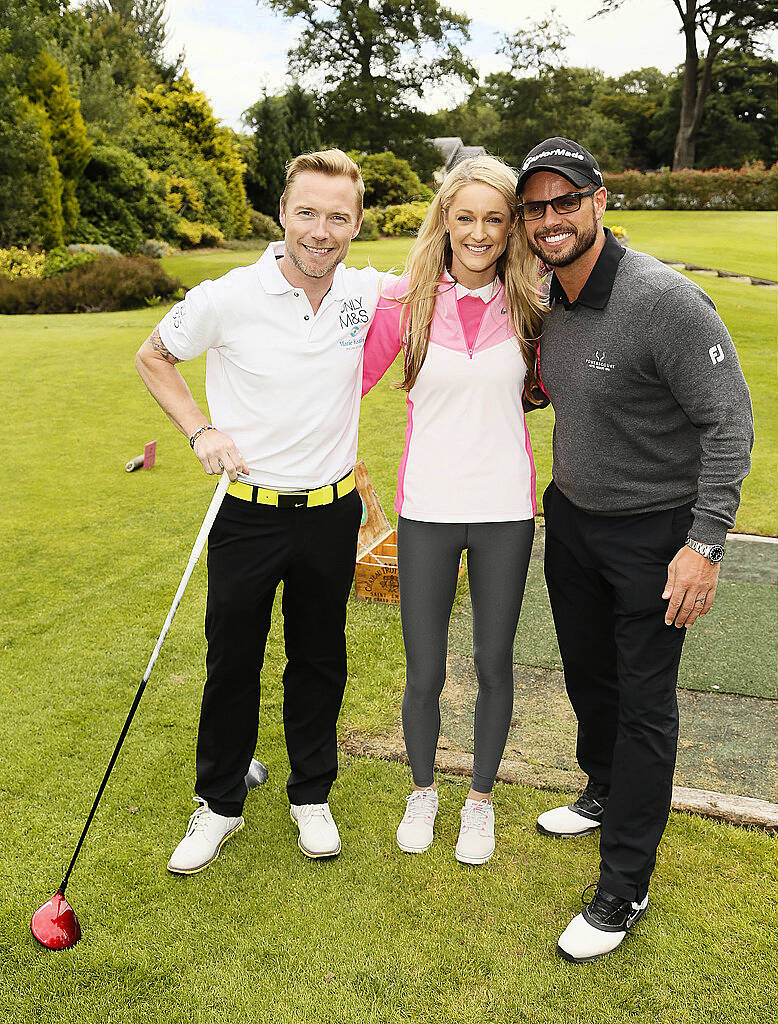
(297, 295)
(306, 317)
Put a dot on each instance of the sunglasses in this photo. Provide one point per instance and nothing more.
(568, 203)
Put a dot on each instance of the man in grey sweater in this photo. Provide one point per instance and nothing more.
(652, 441)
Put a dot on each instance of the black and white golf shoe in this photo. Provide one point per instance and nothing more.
(578, 819)
(600, 927)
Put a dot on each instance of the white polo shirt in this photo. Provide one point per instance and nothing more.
(283, 382)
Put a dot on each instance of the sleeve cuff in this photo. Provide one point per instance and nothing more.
(708, 530)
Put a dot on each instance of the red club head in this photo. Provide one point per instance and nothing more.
(55, 924)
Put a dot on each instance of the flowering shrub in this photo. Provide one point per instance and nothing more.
(753, 187)
(618, 231)
(404, 219)
(20, 262)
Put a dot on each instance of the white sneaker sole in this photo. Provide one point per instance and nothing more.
(202, 867)
(309, 853)
(415, 849)
(567, 835)
(598, 956)
(473, 860)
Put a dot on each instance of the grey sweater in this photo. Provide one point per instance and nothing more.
(652, 409)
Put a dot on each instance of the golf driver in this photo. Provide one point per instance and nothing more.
(55, 924)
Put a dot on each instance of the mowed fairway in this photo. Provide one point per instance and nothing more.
(91, 558)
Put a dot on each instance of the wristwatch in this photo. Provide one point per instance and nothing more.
(713, 552)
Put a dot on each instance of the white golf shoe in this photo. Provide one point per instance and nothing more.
(476, 834)
(416, 831)
(206, 833)
(578, 819)
(318, 832)
(600, 928)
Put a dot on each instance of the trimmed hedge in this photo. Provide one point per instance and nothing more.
(753, 187)
(105, 284)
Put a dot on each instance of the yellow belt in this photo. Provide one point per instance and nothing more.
(295, 499)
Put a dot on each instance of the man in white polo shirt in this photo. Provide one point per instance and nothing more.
(284, 340)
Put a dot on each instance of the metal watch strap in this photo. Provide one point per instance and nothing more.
(713, 552)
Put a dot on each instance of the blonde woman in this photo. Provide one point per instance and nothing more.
(465, 314)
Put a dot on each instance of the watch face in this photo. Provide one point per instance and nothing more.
(716, 553)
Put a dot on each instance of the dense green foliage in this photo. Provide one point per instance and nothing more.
(389, 179)
(627, 122)
(104, 284)
(102, 140)
(282, 127)
(725, 27)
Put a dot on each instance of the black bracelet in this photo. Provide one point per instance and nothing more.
(200, 430)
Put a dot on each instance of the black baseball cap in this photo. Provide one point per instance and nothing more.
(561, 156)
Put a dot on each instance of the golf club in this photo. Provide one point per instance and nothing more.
(55, 924)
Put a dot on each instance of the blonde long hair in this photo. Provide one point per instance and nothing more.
(431, 254)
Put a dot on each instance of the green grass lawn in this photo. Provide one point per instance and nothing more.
(744, 242)
(93, 556)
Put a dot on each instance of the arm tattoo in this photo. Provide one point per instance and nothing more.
(159, 346)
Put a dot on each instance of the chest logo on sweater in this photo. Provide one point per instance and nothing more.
(600, 362)
(354, 319)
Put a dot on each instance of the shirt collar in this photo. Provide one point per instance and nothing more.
(486, 292)
(274, 282)
(599, 284)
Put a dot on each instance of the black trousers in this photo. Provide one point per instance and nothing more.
(251, 549)
(605, 577)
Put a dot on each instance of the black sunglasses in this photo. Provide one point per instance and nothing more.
(568, 203)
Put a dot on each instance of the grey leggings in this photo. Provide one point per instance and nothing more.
(497, 562)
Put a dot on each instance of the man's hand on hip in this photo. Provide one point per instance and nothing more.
(691, 587)
(216, 452)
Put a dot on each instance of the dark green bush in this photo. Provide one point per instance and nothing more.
(60, 260)
(107, 283)
(120, 202)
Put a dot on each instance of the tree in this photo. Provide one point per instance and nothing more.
(636, 102)
(148, 24)
(725, 24)
(186, 117)
(268, 120)
(388, 179)
(375, 58)
(48, 88)
(741, 115)
(302, 120)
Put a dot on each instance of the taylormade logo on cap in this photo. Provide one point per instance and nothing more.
(551, 152)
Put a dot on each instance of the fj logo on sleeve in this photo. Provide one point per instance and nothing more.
(178, 315)
(716, 354)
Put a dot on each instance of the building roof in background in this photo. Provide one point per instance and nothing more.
(453, 151)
